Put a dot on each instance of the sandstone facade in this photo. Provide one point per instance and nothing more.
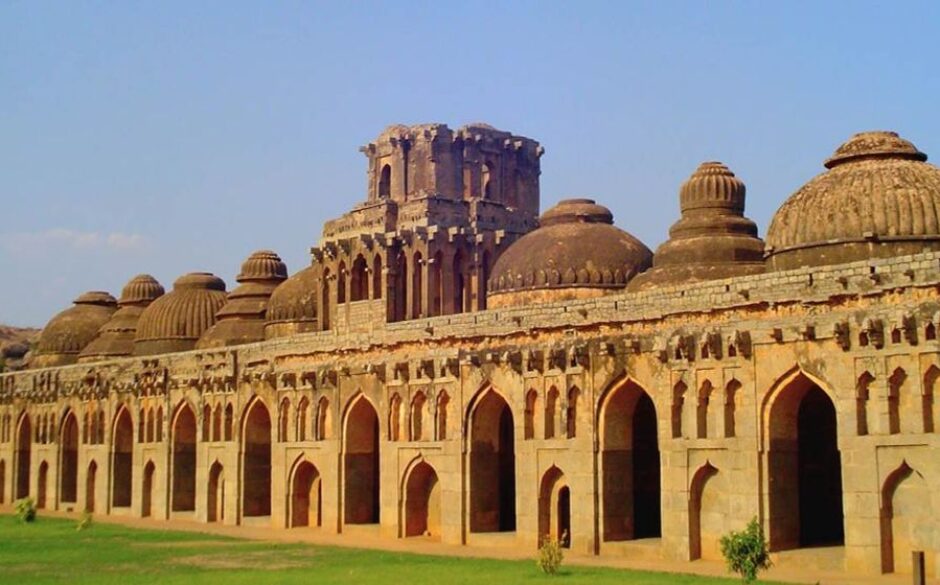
(629, 420)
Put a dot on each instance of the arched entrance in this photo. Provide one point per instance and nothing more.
(146, 502)
(184, 460)
(904, 526)
(122, 460)
(555, 507)
(257, 461)
(3, 481)
(305, 496)
(422, 505)
(42, 480)
(706, 513)
(215, 504)
(24, 444)
(630, 464)
(90, 487)
(492, 465)
(68, 489)
(361, 464)
(805, 469)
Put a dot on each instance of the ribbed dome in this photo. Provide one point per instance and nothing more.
(70, 331)
(242, 318)
(116, 337)
(577, 252)
(175, 321)
(712, 239)
(879, 198)
(293, 306)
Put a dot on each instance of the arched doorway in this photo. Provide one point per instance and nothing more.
(90, 477)
(41, 482)
(215, 504)
(492, 465)
(184, 460)
(904, 526)
(3, 481)
(385, 182)
(805, 468)
(630, 464)
(122, 467)
(24, 444)
(361, 464)
(305, 496)
(68, 489)
(146, 502)
(555, 507)
(422, 502)
(257, 461)
(706, 513)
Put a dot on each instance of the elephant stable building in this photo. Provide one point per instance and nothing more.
(452, 366)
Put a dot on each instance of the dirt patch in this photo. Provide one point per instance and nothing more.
(182, 544)
(267, 560)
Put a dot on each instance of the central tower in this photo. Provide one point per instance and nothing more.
(441, 205)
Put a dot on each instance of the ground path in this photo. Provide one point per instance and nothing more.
(365, 540)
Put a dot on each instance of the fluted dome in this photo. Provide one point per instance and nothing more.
(116, 337)
(293, 306)
(879, 198)
(242, 319)
(576, 252)
(70, 331)
(712, 239)
(175, 321)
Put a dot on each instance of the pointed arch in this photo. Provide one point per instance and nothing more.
(256, 459)
(929, 402)
(217, 423)
(571, 412)
(68, 458)
(91, 477)
(804, 463)
(421, 505)
(184, 458)
(551, 412)
(324, 419)
(492, 462)
(377, 275)
(24, 445)
(629, 462)
(305, 495)
(394, 418)
(3, 481)
(215, 498)
(706, 513)
(443, 403)
(146, 495)
(863, 402)
(418, 412)
(554, 507)
(341, 273)
(732, 396)
(229, 421)
(41, 484)
(417, 286)
(283, 419)
(702, 409)
(359, 280)
(904, 526)
(361, 481)
(122, 458)
(206, 423)
(531, 408)
(303, 410)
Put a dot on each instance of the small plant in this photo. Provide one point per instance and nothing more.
(550, 555)
(746, 552)
(25, 510)
(85, 522)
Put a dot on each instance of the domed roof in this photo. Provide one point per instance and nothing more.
(242, 318)
(576, 252)
(175, 321)
(712, 239)
(70, 331)
(879, 198)
(293, 306)
(116, 337)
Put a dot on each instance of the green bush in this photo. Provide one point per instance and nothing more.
(550, 555)
(25, 510)
(746, 552)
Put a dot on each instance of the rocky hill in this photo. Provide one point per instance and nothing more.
(10, 335)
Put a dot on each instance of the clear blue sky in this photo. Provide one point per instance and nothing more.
(168, 137)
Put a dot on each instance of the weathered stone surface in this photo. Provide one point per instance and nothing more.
(673, 414)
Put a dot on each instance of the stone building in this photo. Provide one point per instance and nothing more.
(452, 367)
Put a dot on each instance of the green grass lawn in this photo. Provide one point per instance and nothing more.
(52, 551)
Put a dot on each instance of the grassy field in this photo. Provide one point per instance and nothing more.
(52, 551)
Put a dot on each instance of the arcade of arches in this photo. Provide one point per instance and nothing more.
(454, 368)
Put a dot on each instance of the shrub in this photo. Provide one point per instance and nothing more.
(84, 522)
(746, 552)
(550, 555)
(26, 510)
